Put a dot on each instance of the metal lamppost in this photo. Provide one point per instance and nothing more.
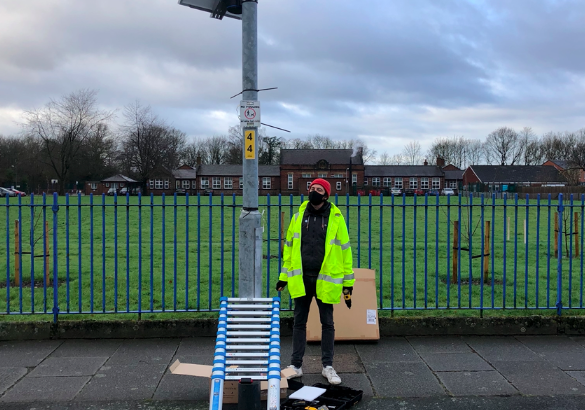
(250, 245)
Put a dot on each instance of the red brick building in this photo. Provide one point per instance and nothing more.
(116, 182)
(228, 179)
(298, 167)
(574, 174)
(500, 177)
(383, 177)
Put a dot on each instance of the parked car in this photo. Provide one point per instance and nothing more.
(419, 191)
(448, 191)
(111, 191)
(6, 192)
(395, 191)
(17, 192)
(409, 192)
(180, 191)
(433, 192)
(123, 191)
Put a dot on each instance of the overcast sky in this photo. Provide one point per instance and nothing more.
(385, 71)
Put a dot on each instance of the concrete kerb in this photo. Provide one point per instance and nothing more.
(173, 328)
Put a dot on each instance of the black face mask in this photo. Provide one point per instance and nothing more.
(316, 198)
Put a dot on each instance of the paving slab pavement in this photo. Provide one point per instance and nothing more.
(394, 373)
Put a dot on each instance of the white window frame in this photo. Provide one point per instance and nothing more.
(194, 184)
(241, 184)
(365, 181)
(398, 183)
(338, 185)
(216, 182)
(204, 182)
(424, 183)
(93, 185)
(228, 183)
(387, 182)
(354, 179)
(453, 184)
(107, 184)
(151, 183)
(413, 183)
(376, 181)
(167, 184)
(337, 176)
(305, 175)
(177, 183)
(158, 184)
(322, 175)
(308, 185)
(266, 183)
(436, 183)
(290, 181)
(186, 184)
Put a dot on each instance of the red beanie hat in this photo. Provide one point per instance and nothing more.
(324, 184)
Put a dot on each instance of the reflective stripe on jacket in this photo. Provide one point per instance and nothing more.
(336, 269)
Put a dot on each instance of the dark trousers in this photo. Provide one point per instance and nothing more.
(302, 306)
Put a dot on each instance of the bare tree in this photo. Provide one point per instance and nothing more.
(475, 153)
(63, 126)
(397, 159)
(532, 154)
(503, 147)
(148, 143)
(384, 158)
(193, 151)
(412, 153)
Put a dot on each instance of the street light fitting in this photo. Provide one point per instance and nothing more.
(218, 8)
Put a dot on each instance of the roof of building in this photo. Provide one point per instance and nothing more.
(312, 156)
(119, 178)
(236, 170)
(185, 173)
(517, 173)
(452, 175)
(403, 171)
(562, 163)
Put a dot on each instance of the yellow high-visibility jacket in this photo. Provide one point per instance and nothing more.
(336, 269)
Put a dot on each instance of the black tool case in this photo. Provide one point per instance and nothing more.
(332, 404)
(341, 393)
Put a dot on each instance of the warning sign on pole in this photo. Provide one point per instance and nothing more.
(250, 113)
(250, 150)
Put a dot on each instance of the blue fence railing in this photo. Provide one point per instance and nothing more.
(72, 255)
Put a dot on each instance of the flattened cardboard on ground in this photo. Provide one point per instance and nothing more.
(358, 323)
(230, 387)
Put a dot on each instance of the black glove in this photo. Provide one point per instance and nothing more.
(280, 285)
(349, 289)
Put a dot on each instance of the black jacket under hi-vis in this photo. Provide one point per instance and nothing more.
(314, 231)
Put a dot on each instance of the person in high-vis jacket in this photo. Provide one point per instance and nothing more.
(317, 262)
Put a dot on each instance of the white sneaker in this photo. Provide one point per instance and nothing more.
(298, 372)
(331, 376)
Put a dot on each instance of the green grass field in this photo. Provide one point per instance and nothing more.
(413, 264)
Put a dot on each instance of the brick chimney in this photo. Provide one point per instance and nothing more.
(440, 162)
(198, 160)
(426, 163)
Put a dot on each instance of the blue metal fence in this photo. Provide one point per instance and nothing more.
(178, 254)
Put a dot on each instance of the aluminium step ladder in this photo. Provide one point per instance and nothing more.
(248, 336)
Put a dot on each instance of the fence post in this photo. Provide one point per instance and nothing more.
(47, 259)
(560, 257)
(576, 225)
(508, 233)
(16, 253)
(282, 237)
(557, 233)
(455, 251)
(486, 254)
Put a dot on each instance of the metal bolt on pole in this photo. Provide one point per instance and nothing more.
(250, 251)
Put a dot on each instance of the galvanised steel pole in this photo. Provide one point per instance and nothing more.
(250, 250)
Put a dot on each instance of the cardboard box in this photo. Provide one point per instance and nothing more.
(358, 323)
(230, 387)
